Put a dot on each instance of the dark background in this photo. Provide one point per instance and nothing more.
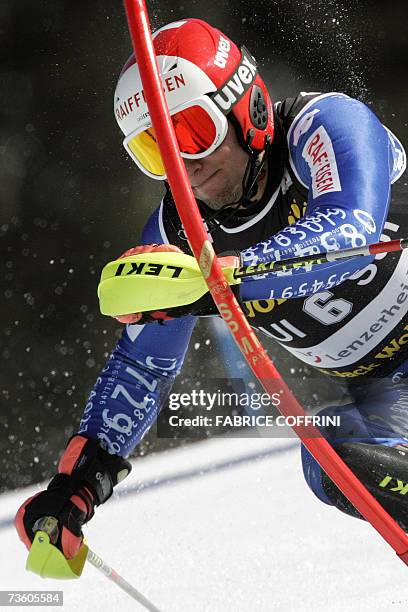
(70, 199)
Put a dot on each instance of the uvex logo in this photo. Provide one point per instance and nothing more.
(237, 85)
(223, 50)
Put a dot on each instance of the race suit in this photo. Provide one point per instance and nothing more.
(331, 168)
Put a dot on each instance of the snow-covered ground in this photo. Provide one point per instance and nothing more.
(222, 525)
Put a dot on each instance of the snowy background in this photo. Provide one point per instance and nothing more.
(226, 525)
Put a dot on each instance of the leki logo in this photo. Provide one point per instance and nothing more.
(401, 487)
(147, 269)
(237, 85)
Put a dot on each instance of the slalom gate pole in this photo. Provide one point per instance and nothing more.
(255, 354)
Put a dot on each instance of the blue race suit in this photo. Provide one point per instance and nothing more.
(330, 171)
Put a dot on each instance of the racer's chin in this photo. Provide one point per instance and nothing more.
(217, 195)
(224, 199)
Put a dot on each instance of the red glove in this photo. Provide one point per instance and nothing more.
(86, 477)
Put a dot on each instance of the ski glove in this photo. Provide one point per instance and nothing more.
(86, 477)
(202, 307)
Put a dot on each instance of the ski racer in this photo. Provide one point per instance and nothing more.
(313, 173)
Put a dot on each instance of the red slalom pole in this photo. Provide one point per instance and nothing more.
(228, 307)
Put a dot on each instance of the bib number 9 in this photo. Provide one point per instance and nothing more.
(325, 310)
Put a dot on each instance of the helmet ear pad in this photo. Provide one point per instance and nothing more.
(258, 110)
(254, 113)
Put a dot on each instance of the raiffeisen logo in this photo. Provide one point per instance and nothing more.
(124, 107)
(237, 85)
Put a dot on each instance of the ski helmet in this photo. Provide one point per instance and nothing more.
(206, 78)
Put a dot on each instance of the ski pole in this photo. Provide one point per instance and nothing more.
(312, 260)
(156, 281)
(123, 584)
(252, 349)
(46, 560)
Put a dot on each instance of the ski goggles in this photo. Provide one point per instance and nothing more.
(200, 128)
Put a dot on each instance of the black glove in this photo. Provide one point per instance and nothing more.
(86, 477)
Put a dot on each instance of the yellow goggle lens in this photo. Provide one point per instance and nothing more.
(144, 147)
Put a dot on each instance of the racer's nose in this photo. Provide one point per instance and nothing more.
(194, 168)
